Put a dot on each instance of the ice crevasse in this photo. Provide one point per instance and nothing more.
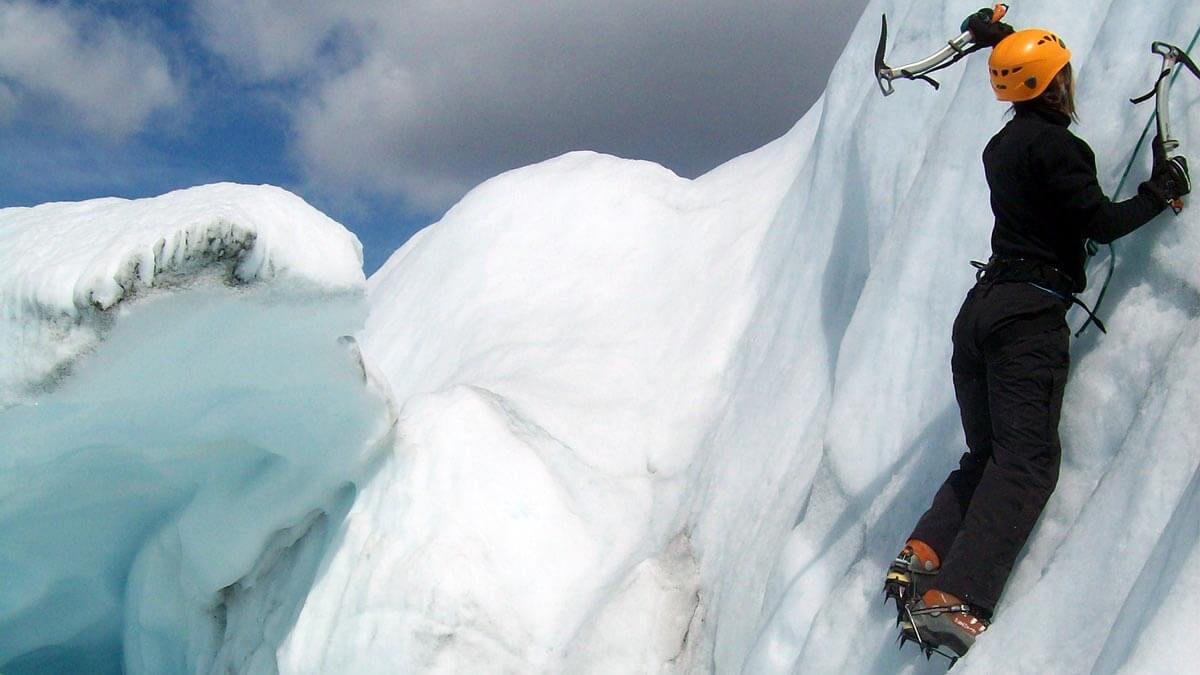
(605, 419)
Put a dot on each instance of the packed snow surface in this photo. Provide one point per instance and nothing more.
(644, 423)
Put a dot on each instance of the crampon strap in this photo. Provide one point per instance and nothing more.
(929, 649)
(952, 609)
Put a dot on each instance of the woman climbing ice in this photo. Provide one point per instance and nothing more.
(1011, 340)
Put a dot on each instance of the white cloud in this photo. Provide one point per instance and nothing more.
(266, 39)
(424, 98)
(78, 68)
(356, 130)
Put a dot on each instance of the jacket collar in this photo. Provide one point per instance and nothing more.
(1037, 111)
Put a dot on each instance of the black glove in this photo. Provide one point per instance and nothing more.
(1169, 179)
(986, 32)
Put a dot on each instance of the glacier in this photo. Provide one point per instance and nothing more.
(599, 418)
(183, 410)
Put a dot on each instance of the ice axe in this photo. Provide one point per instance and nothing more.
(954, 51)
(1165, 143)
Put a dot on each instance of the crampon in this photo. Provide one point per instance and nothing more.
(910, 633)
(909, 576)
(941, 624)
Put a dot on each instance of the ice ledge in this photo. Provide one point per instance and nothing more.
(67, 266)
(62, 258)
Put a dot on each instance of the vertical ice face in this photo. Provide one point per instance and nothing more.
(182, 417)
(892, 432)
(656, 425)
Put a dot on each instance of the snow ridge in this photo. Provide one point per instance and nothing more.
(67, 264)
(183, 413)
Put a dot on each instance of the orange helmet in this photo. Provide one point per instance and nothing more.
(1023, 64)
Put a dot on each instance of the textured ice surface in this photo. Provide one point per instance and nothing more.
(658, 425)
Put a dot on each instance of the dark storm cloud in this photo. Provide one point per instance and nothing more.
(424, 99)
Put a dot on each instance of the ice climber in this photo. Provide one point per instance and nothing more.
(1010, 339)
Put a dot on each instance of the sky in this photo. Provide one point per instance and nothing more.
(383, 113)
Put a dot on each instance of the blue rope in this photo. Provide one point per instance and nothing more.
(1092, 247)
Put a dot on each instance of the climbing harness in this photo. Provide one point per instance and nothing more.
(1000, 270)
(954, 51)
(1172, 57)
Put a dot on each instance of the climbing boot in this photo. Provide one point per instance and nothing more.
(910, 574)
(941, 623)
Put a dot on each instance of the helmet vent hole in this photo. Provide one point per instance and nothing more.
(1002, 86)
(1004, 73)
(1018, 69)
(1041, 42)
(1031, 83)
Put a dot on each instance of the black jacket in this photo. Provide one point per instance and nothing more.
(1046, 198)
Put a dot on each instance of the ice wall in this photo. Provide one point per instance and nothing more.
(658, 425)
(891, 433)
(181, 416)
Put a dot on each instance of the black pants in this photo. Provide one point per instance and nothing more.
(1010, 367)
